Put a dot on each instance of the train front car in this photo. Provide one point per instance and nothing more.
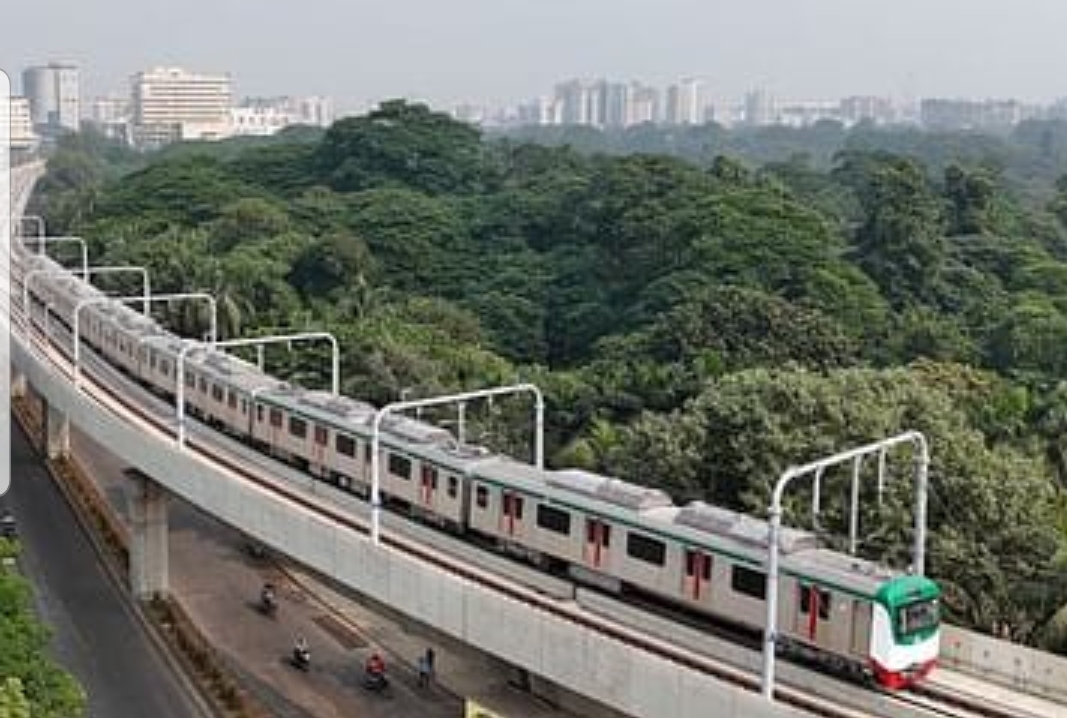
(905, 630)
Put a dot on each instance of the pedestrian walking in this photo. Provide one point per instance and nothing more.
(423, 668)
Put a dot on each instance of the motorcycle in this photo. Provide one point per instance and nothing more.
(301, 658)
(268, 604)
(376, 682)
(374, 674)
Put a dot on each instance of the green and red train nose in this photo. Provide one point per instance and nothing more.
(905, 631)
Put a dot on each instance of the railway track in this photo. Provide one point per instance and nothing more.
(109, 392)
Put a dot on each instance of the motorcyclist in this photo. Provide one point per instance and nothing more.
(301, 652)
(267, 598)
(375, 666)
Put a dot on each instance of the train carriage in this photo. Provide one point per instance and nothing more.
(442, 494)
(401, 466)
(159, 362)
(275, 428)
(337, 450)
(504, 498)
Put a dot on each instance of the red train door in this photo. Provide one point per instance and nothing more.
(597, 541)
(511, 512)
(813, 607)
(428, 485)
(318, 445)
(697, 574)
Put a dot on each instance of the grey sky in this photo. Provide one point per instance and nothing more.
(448, 51)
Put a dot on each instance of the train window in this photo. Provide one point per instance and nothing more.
(298, 427)
(259, 413)
(366, 453)
(553, 519)
(203, 385)
(481, 497)
(823, 598)
(429, 477)
(453, 487)
(400, 466)
(749, 582)
(152, 360)
(217, 393)
(918, 616)
(276, 417)
(645, 548)
(190, 380)
(231, 400)
(322, 435)
(345, 445)
(164, 367)
(244, 406)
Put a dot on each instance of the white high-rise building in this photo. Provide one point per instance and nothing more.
(686, 103)
(759, 109)
(111, 117)
(171, 104)
(644, 105)
(54, 94)
(22, 135)
(314, 110)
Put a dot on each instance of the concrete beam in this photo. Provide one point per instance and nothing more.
(149, 553)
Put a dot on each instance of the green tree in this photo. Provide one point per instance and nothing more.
(900, 243)
(405, 144)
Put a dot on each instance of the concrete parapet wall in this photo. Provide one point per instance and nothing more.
(585, 661)
(1009, 664)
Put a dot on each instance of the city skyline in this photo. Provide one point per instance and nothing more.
(510, 50)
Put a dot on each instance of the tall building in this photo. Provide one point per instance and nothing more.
(22, 135)
(686, 103)
(644, 105)
(759, 109)
(171, 104)
(314, 110)
(54, 94)
(583, 102)
(111, 117)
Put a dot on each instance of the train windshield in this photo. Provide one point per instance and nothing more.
(918, 616)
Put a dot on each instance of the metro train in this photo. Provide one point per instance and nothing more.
(850, 613)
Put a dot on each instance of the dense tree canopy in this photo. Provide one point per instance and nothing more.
(703, 307)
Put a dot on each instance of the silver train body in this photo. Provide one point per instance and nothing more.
(613, 534)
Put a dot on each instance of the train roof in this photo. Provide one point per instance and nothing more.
(403, 433)
(232, 371)
(452, 454)
(504, 468)
(331, 408)
(802, 551)
(613, 491)
(840, 569)
(130, 321)
(740, 528)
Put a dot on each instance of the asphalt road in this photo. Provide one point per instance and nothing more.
(96, 634)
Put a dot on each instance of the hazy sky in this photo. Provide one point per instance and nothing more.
(449, 51)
